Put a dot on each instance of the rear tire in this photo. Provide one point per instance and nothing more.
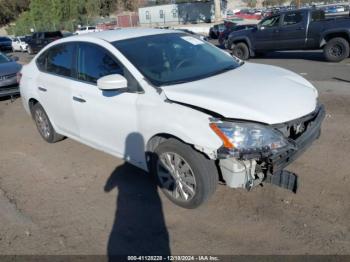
(186, 177)
(44, 125)
(336, 49)
(241, 51)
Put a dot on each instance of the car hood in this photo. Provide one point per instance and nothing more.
(253, 92)
(9, 68)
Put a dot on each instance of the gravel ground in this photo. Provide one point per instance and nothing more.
(67, 198)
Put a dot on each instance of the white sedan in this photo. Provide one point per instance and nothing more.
(176, 106)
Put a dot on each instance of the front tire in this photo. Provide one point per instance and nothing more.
(336, 49)
(241, 51)
(186, 177)
(44, 125)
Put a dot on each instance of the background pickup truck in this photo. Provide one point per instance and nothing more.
(41, 39)
(304, 29)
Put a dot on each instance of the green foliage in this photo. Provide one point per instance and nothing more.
(10, 9)
(57, 14)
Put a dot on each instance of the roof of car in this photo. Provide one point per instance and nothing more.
(121, 34)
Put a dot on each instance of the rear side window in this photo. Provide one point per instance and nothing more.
(292, 18)
(94, 62)
(318, 15)
(41, 61)
(57, 60)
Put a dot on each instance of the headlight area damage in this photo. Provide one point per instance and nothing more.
(254, 153)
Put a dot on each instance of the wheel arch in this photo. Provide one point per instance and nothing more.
(159, 138)
(31, 103)
(332, 34)
(244, 40)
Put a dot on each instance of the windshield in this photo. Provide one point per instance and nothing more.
(4, 58)
(174, 58)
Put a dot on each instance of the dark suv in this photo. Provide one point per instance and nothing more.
(41, 39)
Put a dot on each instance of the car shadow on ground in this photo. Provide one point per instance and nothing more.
(139, 227)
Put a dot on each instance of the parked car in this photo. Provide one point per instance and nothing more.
(294, 30)
(85, 30)
(5, 43)
(9, 69)
(224, 35)
(40, 39)
(215, 31)
(203, 37)
(20, 44)
(175, 106)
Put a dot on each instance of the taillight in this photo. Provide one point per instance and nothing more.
(19, 77)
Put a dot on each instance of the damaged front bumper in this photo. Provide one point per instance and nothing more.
(252, 168)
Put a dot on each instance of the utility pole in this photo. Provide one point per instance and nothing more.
(217, 7)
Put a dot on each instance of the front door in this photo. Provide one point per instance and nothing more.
(106, 118)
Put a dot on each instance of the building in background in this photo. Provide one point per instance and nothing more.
(181, 13)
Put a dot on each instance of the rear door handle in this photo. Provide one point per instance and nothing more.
(42, 89)
(78, 99)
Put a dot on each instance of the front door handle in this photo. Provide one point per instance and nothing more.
(42, 89)
(78, 99)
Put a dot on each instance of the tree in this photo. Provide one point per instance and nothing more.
(10, 10)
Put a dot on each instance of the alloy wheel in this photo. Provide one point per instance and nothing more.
(176, 176)
(43, 123)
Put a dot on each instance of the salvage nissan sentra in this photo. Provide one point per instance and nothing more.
(176, 106)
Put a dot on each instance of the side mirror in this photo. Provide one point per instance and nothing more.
(112, 82)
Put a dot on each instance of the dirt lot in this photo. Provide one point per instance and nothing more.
(67, 198)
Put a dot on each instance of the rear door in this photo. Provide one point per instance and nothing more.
(54, 86)
(293, 30)
(267, 33)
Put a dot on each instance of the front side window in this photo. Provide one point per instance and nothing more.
(271, 22)
(292, 18)
(94, 62)
(58, 60)
(173, 58)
